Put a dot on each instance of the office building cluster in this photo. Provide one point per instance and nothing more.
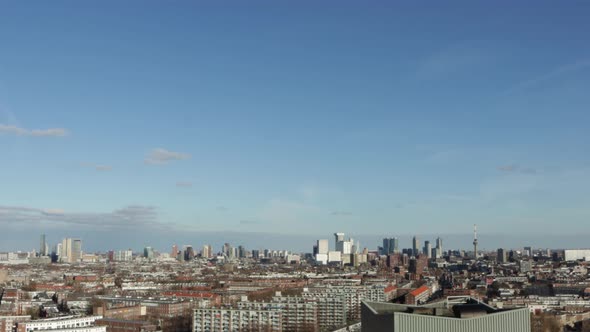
(69, 250)
(345, 251)
(391, 246)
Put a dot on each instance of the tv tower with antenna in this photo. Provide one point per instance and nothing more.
(475, 241)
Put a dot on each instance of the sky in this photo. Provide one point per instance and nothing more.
(169, 122)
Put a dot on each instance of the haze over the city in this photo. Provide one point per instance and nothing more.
(145, 123)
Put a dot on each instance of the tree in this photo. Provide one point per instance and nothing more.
(63, 307)
(33, 312)
(545, 322)
(42, 312)
(494, 290)
(119, 282)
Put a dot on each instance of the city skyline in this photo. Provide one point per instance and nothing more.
(293, 121)
(302, 244)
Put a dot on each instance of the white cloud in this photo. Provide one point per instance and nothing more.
(50, 132)
(160, 156)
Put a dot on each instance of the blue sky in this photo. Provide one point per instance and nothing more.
(295, 117)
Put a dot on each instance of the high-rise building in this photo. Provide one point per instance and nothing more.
(189, 252)
(439, 247)
(256, 254)
(528, 251)
(390, 246)
(174, 252)
(148, 252)
(63, 257)
(43, 246)
(71, 250)
(227, 250)
(124, 255)
(501, 258)
(339, 241)
(427, 249)
(323, 247)
(385, 246)
(394, 245)
(415, 246)
(241, 251)
(206, 252)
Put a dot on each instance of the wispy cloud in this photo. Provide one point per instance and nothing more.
(160, 156)
(513, 168)
(98, 167)
(453, 60)
(19, 131)
(341, 213)
(553, 74)
(508, 168)
(184, 184)
(222, 208)
(250, 222)
(129, 216)
(528, 170)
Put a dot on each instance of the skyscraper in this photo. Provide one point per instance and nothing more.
(241, 251)
(71, 250)
(415, 246)
(528, 251)
(206, 252)
(174, 252)
(439, 244)
(427, 249)
(501, 258)
(148, 252)
(394, 245)
(390, 246)
(322, 252)
(189, 252)
(323, 247)
(43, 246)
(385, 246)
(227, 250)
(339, 241)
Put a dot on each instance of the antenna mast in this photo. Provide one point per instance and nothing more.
(475, 241)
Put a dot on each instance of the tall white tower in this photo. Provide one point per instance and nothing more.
(475, 241)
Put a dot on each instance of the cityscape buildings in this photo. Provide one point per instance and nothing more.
(280, 290)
